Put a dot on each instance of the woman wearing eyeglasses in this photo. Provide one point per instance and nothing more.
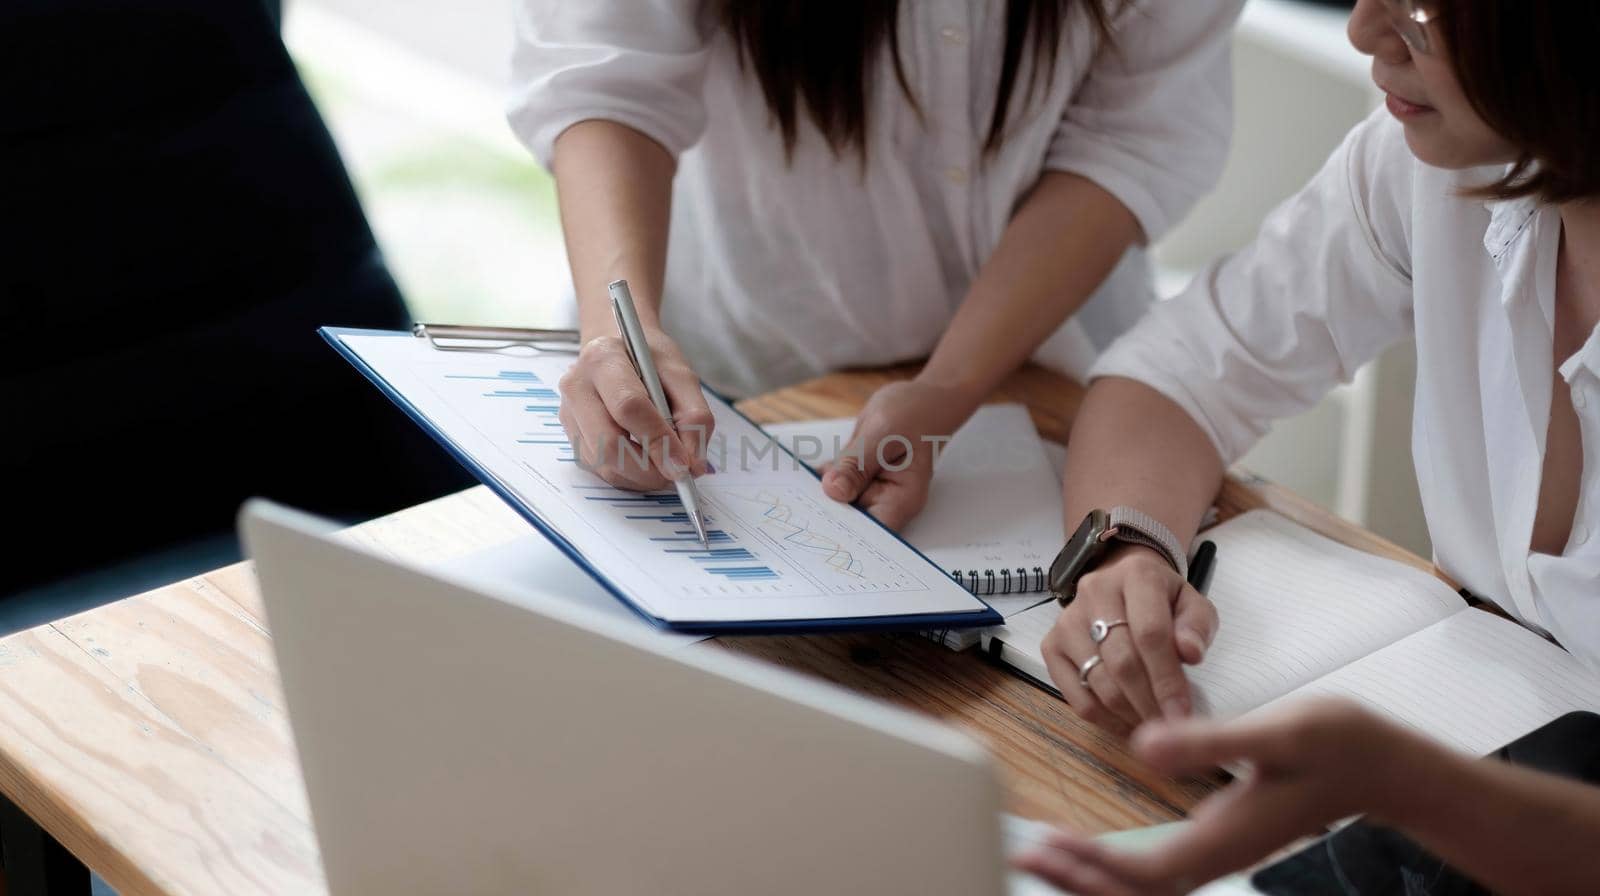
(1466, 214)
(857, 184)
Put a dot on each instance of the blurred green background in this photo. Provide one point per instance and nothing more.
(466, 217)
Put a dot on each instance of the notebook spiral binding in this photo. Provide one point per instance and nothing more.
(1002, 581)
(984, 583)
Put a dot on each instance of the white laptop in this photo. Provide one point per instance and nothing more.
(456, 740)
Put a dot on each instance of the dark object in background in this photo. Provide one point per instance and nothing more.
(178, 223)
(1364, 859)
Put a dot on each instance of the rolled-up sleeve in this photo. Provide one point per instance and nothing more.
(1151, 122)
(1324, 288)
(640, 63)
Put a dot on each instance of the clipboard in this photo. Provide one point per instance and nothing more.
(457, 338)
(513, 342)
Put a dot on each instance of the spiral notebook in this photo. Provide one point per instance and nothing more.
(993, 518)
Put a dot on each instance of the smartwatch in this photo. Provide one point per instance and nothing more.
(1097, 535)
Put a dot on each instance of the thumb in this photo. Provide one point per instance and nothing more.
(1190, 746)
(1194, 624)
(855, 467)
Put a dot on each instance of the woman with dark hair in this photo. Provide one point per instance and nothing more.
(1465, 214)
(860, 183)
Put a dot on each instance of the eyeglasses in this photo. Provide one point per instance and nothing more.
(1411, 23)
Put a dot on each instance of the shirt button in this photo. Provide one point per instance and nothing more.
(1580, 534)
(956, 174)
(955, 37)
(1578, 399)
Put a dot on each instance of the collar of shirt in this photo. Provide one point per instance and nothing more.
(1508, 219)
(1509, 222)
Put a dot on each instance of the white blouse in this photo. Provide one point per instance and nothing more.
(1377, 248)
(780, 271)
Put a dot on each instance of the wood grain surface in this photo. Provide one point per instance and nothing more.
(150, 737)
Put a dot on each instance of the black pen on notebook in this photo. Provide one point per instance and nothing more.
(643, 363)
(1205, 557)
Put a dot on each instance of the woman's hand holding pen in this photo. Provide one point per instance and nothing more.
(608, 415)
(1165, 624)
(888, 464)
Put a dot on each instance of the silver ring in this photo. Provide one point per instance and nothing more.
(1100, 628)
(1086, 668)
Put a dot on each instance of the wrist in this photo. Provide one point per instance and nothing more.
(596, 328)
(959, 396)
(1132, 555)
(596, 319)
(1417, 780)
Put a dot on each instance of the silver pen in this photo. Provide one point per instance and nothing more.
(639, 353)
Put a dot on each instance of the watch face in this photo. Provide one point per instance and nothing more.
(1083, 548)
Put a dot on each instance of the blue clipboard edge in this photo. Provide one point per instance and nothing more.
(917, 622)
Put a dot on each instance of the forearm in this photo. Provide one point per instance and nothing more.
(614, 187)
(1512, 829)
(1130, 445)
(1060, 245)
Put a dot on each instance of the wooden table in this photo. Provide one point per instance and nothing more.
(148, 737)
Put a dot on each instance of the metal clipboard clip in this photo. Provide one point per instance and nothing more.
(452, 338)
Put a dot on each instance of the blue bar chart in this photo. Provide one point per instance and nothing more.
(759, 537)
(519, 384)
(551, 441)
(661, 516)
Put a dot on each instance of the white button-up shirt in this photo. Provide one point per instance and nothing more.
(781, 270)
(1377, 248)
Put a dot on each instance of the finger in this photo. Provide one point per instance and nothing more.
(844, 479)
(628, 403)
(1130, 871)
(1063, 671)
(856, 466)
(896, 502)
(1199, 745)
(1100, 602)
(1230, 830)
(605, 450)
(574, 434)
(623, 463)
(1066, 872)
(1194, 623)
(691, 415)
(1123, 661)
(1150, 628)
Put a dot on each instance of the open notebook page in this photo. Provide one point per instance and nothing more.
(994, 502)
(1474, 681)
(1294, 606)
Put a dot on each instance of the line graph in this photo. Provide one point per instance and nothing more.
(828, 553)
(778, 518)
